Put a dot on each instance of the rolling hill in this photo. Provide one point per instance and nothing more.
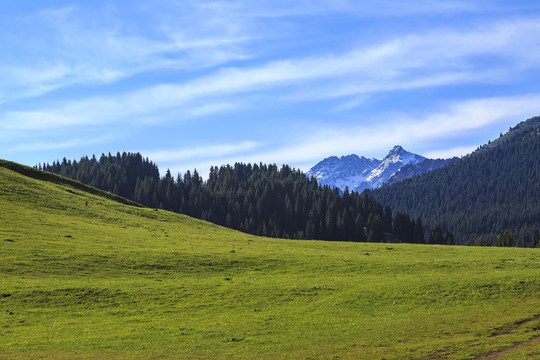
(88, 275)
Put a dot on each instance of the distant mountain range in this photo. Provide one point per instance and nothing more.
(359, 173)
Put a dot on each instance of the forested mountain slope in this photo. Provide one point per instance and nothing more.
(257, 199)
(411, 170)
(494, 189)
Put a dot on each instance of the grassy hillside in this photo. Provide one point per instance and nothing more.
(113, 281)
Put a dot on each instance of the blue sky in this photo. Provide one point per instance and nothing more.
(191, 84)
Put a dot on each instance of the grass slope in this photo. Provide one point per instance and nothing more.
(113, 281)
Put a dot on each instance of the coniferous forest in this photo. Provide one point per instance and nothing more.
(491, 197)
(257, 199)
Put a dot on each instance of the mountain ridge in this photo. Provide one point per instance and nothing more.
(358, 173)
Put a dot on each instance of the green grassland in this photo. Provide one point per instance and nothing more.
(115, 281)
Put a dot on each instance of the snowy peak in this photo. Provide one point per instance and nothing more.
(400, 155)
(359, 173)
(344, 171)
(397, 150)
(345, 163)
(350, 164)
(395, 160)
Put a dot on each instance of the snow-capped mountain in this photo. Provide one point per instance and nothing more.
(395, 160)
(346, 171)
(359, 173)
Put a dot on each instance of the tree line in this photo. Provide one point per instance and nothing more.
(258, 199)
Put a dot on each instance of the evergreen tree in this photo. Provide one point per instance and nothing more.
(534, 242)
(376, 229)
(359, 232)
(436, 236)
(505, 239)
(418, 236)
(387, 219)
(310, 230)
(449, 238)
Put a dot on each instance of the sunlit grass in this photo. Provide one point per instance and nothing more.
(114, 281)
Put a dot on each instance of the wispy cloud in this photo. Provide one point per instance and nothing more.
(202, 157)
(474, 114)
(67, 144)
(283, 8)
(450, 122)
(201, 152)
(68, 49)
(450, 152)
(150, 68)
(431, 60)
(83, 52)
(197, 36)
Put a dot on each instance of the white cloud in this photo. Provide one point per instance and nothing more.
(86, 53)
(451, 122)
(203, 152)
(451, 152)
(174, 43)
(391, 65)
(44, 146)
(425, 132)
(434, 59)
(282, 8)
(477, 113)
(211, 108)
(99, 45)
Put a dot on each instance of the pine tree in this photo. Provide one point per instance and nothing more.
(418, 236)
(505, 239)
(359, 233)
(449, 238)
(376, 229)
(436, 236)
(310, 230)
(387, 220)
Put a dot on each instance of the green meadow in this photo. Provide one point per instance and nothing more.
(83, 276)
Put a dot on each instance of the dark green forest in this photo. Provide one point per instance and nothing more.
(257, 199)
(491, 197)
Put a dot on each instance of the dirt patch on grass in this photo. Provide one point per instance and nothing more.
(500, 353)
(515, 326)
(507, 330)
(499, 332)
